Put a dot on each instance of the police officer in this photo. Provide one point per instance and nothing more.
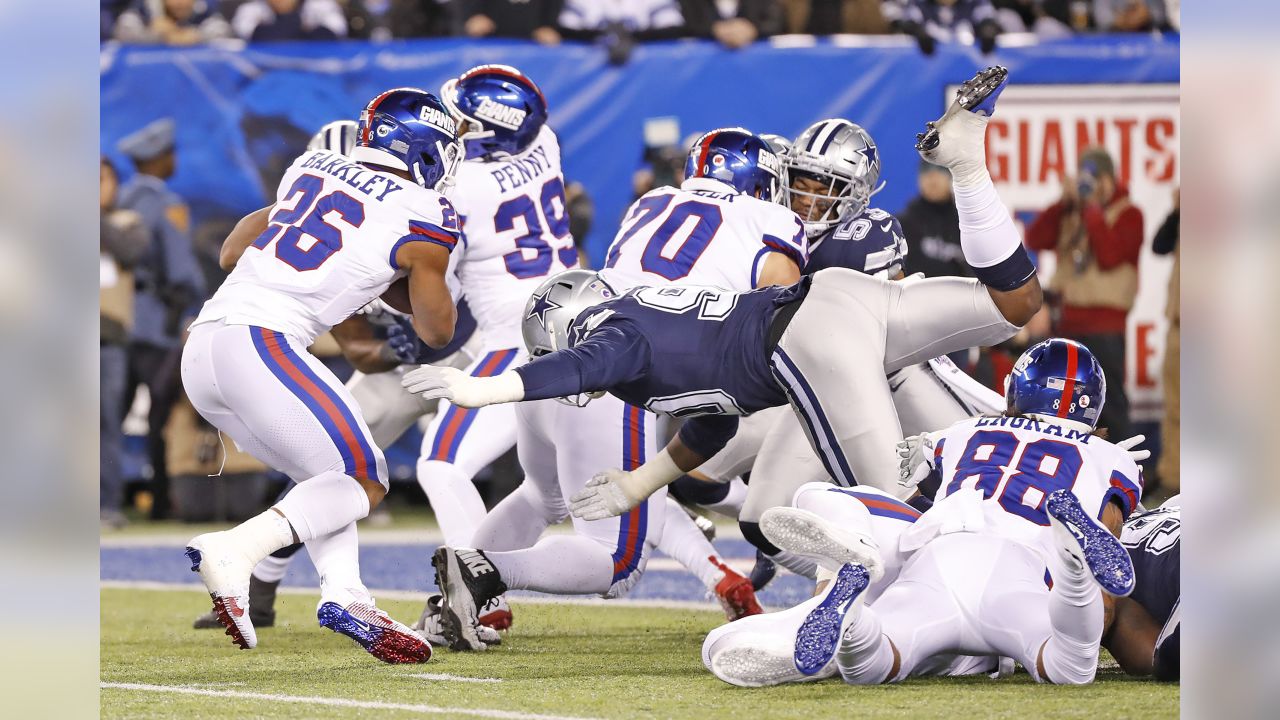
(169, 286)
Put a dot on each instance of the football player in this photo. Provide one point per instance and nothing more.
(1015, 488)
(1144, 631)
(342, 231)
(774, 346)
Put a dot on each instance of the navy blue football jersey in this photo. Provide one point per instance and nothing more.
(683, 351)
(871, 243)
(1154, 541)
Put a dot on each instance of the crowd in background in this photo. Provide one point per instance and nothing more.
(619, 24)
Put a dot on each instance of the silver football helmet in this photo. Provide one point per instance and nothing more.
(840, 167)
(338, 136)
(551, 310)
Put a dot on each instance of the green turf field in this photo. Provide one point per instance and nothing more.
(561, 660)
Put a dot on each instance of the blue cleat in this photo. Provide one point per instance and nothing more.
(819, 634)
(977, 96)
(381, 636)
(1090, 543)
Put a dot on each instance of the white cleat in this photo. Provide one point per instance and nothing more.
(804, 533)
(759, 663)
(225, 571)
(431, 629)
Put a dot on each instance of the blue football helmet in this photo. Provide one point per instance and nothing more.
(1057, 378)
(410, 129)
(501, 110)
(739, 158)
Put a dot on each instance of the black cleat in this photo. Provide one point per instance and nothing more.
(467, 581)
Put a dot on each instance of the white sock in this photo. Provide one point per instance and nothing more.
(988, 234)
(262, 534)
(454, 500)
(337, 560)
(516, 522)
(965, 134)
(557, 564)
(865, 656)
(731, 505)
(272, 568)
(322, 505)
(683, 542)
(1076, 615)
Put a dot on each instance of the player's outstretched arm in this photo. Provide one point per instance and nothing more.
(434, 313)
(613, 492)
(242, 236)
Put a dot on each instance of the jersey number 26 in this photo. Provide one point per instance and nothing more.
(308, 239)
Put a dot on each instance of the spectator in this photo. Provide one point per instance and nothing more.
(168, 287)
(1166, 243)
(1097, 235)
(171, 22)
(417, 18)
(1130, 15)
(932, 226)
(621, 24)
(275, 20)
(1046, 18)
(122, 242)
(733, 23)
(830, 17)
(110, 11)
(510, 18)
(934, 21)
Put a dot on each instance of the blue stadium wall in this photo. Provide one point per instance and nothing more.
(243, 114)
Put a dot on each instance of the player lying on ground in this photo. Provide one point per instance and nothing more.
(341, 232)
(739, 239)
(1012, 504)
(1144, 630)
(824, 345)
(832, 170)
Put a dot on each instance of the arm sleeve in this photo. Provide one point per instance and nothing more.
(1166, 239)
(1117, 244)
(707, 435)
(608, 357)
(1042, 234)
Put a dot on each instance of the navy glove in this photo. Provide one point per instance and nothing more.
(403, 340)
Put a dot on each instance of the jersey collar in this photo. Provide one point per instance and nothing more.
(709, 185)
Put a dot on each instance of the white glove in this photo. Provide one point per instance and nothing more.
(431, 381)
(606, 495)
(1133, 442)
(915, 459)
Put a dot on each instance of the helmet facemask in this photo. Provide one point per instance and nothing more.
(834, 198)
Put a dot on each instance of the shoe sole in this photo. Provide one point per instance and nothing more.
(1106, 558)
(804, 533)
(755, 667)
(972, 94)
(819, 634)
(458, 613)
(221, 610)
(389, 645)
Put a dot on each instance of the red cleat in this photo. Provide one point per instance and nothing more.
(735, 593)
(496, 614)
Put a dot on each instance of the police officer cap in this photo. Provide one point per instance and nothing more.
(150, 142)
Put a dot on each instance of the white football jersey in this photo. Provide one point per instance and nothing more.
(1003, 468)
(330, 246)
(702, 233)
(515, 233)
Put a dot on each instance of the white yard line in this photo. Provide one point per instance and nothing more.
(420, 596)
(442, 677)
(334, 702)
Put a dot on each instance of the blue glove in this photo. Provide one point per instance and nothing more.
(403, 340)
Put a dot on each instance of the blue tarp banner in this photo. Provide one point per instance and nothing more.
(243, 114)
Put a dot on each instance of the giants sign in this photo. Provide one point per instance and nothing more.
(1034, 140)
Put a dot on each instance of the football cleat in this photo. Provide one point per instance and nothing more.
(496, 614)
(382, 637)
(976, 99)
(809, 535)
(760, 663)
(431, 629)
(1088, 543)
(819, 634)
(262, 600)
(762, 572)
(735, 593)
(467, 581)
(225, 572)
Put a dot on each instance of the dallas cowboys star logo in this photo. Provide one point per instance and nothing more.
(871, 154)
(542, 304)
